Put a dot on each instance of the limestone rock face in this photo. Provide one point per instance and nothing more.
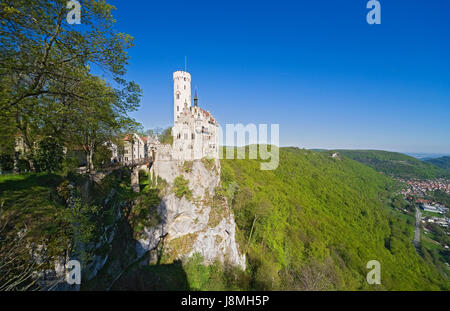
(201, 224)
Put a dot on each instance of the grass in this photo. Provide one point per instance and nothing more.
(431, 214)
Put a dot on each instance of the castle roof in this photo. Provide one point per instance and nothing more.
(128, 137)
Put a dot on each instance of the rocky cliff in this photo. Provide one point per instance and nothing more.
(197, 221)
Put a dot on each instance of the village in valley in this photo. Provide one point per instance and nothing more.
(430, 199)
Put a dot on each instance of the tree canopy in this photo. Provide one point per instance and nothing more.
(47, 87)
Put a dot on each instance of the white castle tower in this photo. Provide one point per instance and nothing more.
(195, 130)
(181, 92)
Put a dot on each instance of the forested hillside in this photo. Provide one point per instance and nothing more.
(442, 162)
(396, 164)
(315, 222)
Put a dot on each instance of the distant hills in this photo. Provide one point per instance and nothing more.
(442, 162)
(399, 164)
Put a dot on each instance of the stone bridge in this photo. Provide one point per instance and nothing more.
(145, 164)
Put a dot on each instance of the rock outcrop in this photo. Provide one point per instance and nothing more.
(198, 223)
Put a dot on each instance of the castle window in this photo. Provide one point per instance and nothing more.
(178, 108)
(193, 136)
(178, 95)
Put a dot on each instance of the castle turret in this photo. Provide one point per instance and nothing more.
(181, 92)
(195, 99)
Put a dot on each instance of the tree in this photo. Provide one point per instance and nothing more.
(166, 136)
(102, 115)
(45, 69)
(102, 156)
(49, 155)
(40, 49)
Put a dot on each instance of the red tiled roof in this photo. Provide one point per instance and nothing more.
(207, 115)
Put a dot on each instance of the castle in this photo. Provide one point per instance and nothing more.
(195, 131)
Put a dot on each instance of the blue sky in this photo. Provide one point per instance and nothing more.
(314, 67)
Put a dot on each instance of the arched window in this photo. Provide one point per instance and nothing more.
(178, 108)
(178, 95)
(193, 136)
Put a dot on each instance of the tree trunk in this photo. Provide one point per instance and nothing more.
(251, 232)
(91, 160)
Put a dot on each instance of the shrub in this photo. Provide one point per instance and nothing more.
(69, 164)
(6, 163)
(209, 163)
(181, 188)
(187, 166)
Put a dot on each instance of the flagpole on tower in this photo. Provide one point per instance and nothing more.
(185, 63)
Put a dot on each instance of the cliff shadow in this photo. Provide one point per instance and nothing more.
(160, 277)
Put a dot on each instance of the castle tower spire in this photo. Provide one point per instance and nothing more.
(195, 98)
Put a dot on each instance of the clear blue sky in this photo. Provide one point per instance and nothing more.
(315, 67)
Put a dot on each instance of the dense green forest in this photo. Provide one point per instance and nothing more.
(396, 164)
(442, 162)
(316, 221)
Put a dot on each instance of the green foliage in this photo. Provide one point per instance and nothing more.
(314, 223)
(102, 156)
(46, 85)
(181, 188)
(439, 196)
(214, 277)
(32, 211)
(144, 213)
(23, 166)
(70, 164)
(209, 163)
(85, 217)
(187, 166)
(6, 163)
(166, 137)
(395, 164)
(442, 162)
(49, 155)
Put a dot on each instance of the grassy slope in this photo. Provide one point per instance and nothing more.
(395, 164)
(324, 214)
